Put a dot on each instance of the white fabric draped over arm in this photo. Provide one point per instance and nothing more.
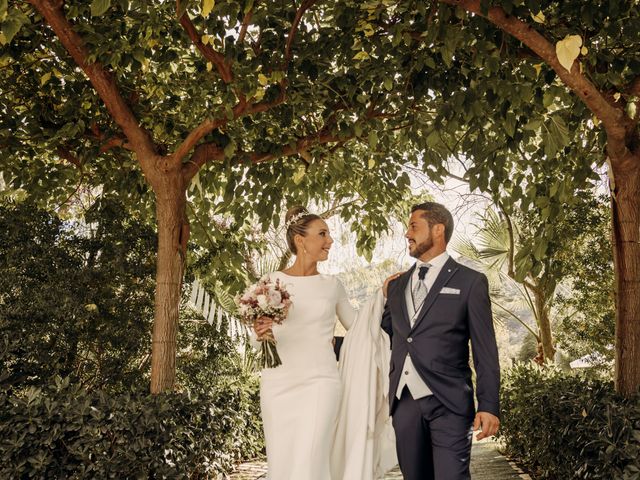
(364, 446)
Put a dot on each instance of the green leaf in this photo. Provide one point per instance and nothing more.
(45, 78)
(373, 139)
(99, 7)
(510, 124)
(182, 8)
(555, 135)
(12, 25)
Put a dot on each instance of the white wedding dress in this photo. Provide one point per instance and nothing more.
(300, 399)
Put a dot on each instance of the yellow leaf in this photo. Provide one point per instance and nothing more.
(209, 66)
(299, 175)
(584, 412)
(596, 121)
(568, 50)
(206, 39)
(262, 79)
(259, 95)
(617, 96)
(306, 155)
(45, 78)
(539, 18)
(361, 56)
(207, 6)
(3, 39)
(584, 50)
(538, 67)
(372, 163)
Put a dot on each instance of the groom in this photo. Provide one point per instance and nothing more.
(432, 312)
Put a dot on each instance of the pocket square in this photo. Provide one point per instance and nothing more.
(450, 291)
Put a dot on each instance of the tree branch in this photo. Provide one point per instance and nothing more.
(207, 51)
(245, 25)
(201, 155)
(614, 120)
(512, 244)
(634, 87)
(66, 154)
(115, 142)
(209, 125)
(302, 145)
(306, 5)
(101, 80)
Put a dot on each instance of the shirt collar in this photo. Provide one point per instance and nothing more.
(437, 262)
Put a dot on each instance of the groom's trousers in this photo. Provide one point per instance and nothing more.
(432, 442)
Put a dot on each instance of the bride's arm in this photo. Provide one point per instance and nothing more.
(344, 309)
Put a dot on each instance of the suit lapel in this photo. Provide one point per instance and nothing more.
(446, 272)
(402, 288)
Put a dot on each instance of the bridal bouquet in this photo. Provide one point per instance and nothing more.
(265, 299)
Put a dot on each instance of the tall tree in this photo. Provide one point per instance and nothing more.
(543, 85)
(138, 94)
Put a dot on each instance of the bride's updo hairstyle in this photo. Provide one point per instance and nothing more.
(297, 221)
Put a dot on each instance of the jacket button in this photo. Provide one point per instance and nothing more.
(406, 373)
(409, 340)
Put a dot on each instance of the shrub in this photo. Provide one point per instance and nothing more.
(563, 425)
(65, 431)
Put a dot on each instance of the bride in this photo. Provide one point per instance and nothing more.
(301, 400)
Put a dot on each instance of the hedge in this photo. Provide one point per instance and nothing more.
(561, 425)
(64, 431)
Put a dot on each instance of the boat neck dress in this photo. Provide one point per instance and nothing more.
(299, 399)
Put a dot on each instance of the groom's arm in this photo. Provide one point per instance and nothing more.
(386, 320)
(483, 344)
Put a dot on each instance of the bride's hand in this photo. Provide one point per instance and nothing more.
(262, 326)
(385, 287)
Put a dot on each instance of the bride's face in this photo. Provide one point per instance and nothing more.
(317, 243)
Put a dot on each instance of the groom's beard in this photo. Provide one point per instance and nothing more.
(421, 248)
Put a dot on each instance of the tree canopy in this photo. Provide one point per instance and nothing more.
(265, 103)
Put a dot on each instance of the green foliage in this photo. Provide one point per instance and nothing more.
(75, 304)
(53, 125)
(587, 312)
(76, 300)
(64, 431)
(569, 426)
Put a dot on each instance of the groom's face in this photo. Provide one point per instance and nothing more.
(419, 234)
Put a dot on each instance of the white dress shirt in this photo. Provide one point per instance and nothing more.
(410, 377)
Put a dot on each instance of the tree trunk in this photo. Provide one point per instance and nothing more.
(544, 325)
(625, 205)
(172, 232)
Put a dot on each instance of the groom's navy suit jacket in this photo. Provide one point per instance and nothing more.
(438, 342)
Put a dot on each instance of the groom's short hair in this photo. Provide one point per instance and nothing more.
(436, 213)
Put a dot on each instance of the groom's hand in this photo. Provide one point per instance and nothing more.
(486, 422)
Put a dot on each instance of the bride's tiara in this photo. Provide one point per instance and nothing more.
(296, 218)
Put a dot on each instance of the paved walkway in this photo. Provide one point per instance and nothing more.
(486, 464)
